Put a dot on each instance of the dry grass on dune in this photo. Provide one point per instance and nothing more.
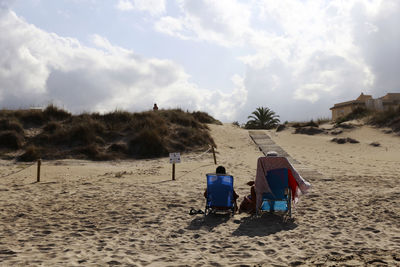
(55, 133)
(389, 118)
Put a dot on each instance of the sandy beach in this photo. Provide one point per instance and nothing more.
(130, 213)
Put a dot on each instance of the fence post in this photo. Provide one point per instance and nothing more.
(39, 162)
(215, 158)
(173, 171)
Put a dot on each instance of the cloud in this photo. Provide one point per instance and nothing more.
(377, 35)
(224, 22)
(304, 54)
(4, 4)
(154, 7)
(37, 68)
(299, 57)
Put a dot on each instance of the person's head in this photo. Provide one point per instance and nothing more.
(220, 170)
(272, 154)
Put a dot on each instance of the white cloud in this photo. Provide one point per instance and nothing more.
(154, 7)
(6, 3)
(323, 53)
(171, 26)
(376, 33)
(301, 57)
(224, 22)
(39, 67)
(314, 51)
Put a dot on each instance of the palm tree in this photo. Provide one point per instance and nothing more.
(262, 118)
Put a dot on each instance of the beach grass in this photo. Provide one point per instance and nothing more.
(54, 133)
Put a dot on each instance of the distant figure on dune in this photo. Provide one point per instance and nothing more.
(155, 108)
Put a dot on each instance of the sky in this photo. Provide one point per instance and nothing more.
(225, 57)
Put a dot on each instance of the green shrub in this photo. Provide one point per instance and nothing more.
(323, 120)
(30, 118)
(192, 138)
(146, 144)
(236, 123)
(31, 153)
(310, 123)
(116, 120)
(11, 125)
(117, 134)
(52, 127)
(118, 148)
(149, 120)
(178, 116)
(81, 133)
(54, 113)
(384, 118)
(204, 117)
(11, 140)
(357, 113)
(93, 152)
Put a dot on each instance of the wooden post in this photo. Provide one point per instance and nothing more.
(173, 171)
(39, 162)
(215, 158)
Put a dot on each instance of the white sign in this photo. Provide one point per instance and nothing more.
(174, 157)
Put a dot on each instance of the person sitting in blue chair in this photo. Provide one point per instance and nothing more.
(221, 170)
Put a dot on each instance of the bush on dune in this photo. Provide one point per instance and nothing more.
(92, 152)
(11, 125)
(52, 127)
(31, 153)
(179, 117)
(389, 118)
(192, 138)
(386, 118)
(54, 113)
(146, 144)
(30, 118)
(113, 135)
(310, 123)
(204, 117)
(357, 113)
(115, 121)
(11, 140)
(149, 120)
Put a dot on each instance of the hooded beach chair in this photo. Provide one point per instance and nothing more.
(220, 196)
(277, 185)
(279, 199)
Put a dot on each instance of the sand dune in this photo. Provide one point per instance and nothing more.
(131, 213)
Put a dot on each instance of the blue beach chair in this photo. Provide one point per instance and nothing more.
(219, 193)
(280, 197)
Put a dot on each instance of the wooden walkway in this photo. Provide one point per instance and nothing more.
(265, 144)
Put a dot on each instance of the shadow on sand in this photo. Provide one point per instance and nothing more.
(262, 226)
(209, 221)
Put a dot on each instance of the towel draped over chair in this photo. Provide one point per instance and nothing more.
(298, 185)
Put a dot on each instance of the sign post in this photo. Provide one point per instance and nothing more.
(174, 158)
